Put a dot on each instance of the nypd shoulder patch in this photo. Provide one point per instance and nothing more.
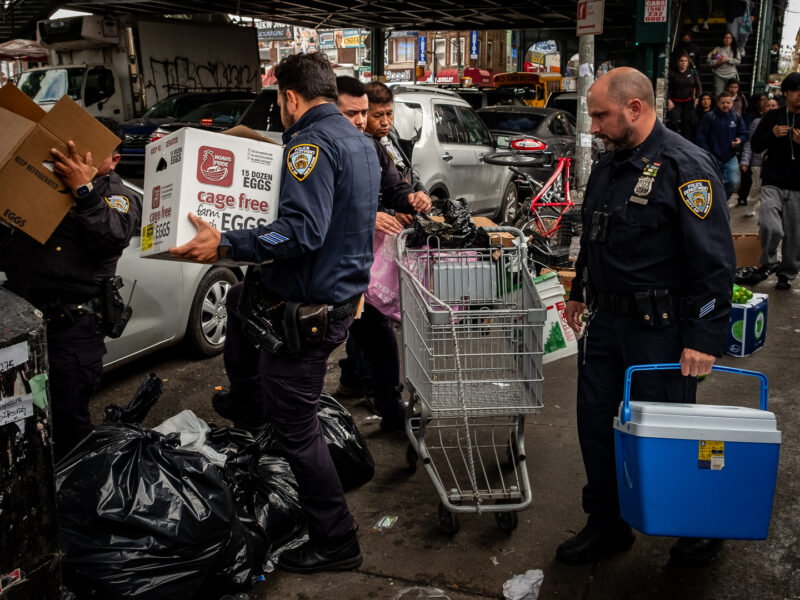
(118, 202)
(301, 160)
(696, 195)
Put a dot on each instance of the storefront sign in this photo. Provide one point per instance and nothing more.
(473, 44)
(275, 33)
(655, 11)
(423, 48)
(326, 40)
(401, 75)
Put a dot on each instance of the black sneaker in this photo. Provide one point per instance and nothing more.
(784, 283)
(600, 538)
(695, 552)
(343, 554)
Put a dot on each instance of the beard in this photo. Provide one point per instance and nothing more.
(622, 140)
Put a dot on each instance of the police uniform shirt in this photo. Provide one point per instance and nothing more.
(321, 241)
(82, 251)
(668, 229)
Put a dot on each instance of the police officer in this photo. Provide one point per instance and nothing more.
(67, 278)
(321, 245)
(655, 270)
(373, 360)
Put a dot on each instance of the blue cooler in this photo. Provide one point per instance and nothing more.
(696, 470)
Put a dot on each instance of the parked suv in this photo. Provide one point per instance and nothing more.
(449, 141)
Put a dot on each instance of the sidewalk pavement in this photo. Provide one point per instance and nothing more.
(476, 562)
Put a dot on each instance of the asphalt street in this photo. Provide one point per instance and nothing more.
(415, 559)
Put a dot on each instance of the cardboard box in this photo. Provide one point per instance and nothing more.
(559, 339)
(34, 199)
(747, 327)
(231, 180)
(748, 249)
(566, 276)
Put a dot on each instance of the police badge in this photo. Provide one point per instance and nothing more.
(301, 160)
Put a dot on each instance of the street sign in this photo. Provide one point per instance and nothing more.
(590, 17)
(423, 48)
(473, 44)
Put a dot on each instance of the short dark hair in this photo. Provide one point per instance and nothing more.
(379, 93)
(350, 86)
(308, 75)
(114, 127)
(724, 94)
(790, 83)
(731, 81)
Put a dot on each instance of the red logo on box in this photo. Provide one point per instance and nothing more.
(215, 166)
(156, 197)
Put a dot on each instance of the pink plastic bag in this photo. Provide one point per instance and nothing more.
(383, 291)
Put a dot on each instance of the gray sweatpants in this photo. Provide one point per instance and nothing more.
(779, 221)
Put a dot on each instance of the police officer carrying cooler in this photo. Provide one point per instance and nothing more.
(70, 278)
(321, 245)
(655, 270)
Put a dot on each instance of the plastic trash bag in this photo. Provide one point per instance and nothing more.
(352, 458)
(193, 432)
(457, 231)
(525, 586)
(143, 400)
(263, 486)
(140, 518)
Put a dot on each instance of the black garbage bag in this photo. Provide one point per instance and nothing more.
(136, 410)
(457, 231)
(140, 518)
(352, 458)
(263, 486)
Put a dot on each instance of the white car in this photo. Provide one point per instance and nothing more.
(171, 301)
(449, 142)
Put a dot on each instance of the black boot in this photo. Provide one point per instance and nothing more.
(341, 554)
(226, 407)
(602, 536)
(695, 552)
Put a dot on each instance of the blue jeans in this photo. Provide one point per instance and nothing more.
(730, 174)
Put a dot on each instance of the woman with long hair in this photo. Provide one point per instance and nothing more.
(683, 89)
(705, 103)
(723, 60)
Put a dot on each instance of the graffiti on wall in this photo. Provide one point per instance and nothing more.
(183, 75)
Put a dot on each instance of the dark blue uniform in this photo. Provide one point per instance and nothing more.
(69, 270)
(322, 247)
(667, 231)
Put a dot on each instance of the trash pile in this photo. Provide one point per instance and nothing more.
(187, 509)
(457, 231)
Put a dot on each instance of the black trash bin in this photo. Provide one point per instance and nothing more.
(30, 565)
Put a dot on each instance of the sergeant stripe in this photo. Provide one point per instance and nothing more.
(273, 238)
(707, 308)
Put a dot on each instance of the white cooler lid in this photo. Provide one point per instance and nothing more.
(700, 421)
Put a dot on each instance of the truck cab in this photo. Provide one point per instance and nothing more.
(92, 86)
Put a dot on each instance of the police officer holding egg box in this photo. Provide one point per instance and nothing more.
(297, 309)
(71, 279)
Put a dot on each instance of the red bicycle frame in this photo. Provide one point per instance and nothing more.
(536, 203)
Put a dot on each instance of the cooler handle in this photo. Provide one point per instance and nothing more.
(626, 409)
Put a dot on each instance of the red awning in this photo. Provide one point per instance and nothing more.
(478, 76)
(447, 76)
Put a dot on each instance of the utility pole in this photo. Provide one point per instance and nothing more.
(583, 145)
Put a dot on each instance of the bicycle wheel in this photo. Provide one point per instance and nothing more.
(512, 159)
(547, 221)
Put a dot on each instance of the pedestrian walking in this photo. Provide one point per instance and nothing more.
(303, 303)
(778, 136)
(683, 89)
(723, 60)
(721, 133)
(655, 270)
(750, 163)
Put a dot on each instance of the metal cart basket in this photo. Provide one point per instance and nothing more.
(472, 341)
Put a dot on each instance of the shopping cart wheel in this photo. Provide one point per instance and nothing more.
(448, 521)
(506, 521)
(411, 458)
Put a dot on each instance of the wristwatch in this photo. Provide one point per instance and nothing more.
(225, 249)
(84, 190)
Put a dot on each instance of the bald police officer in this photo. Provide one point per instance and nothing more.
(321, 245)
(655, 270)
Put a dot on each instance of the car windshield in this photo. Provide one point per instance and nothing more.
(161, 109)
(503, 97)
(49, 85)
(226, 112)
(511, 121)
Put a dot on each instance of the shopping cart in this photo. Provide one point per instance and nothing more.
(472, 341)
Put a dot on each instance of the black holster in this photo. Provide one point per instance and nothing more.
(115, 315)
(304, 325)
(654, 308)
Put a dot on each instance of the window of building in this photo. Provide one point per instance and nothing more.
(404, 50)
(441, 52)
(454, 50)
